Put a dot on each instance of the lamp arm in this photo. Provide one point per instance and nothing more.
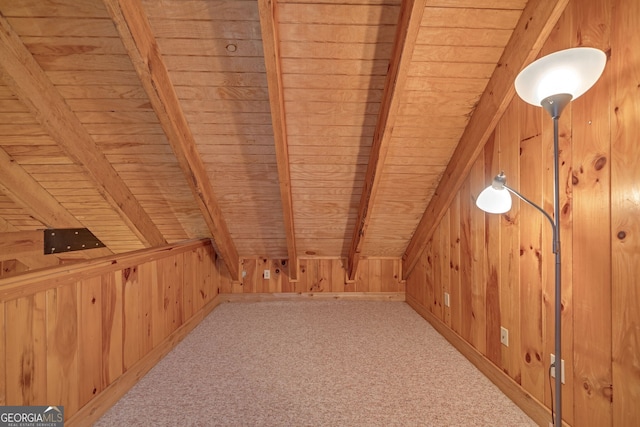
(554, 227)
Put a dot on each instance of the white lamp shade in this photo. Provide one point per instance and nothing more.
(494, 201)
(571, 71)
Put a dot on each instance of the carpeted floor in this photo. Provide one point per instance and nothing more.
(314, 363)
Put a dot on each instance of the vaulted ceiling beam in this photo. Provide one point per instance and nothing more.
(406, 34)
(270, 42)
(17, 243)
(27, 80)
(142, 47)
(25, 191)
(532, 30)
(19, 186)
(24, 246)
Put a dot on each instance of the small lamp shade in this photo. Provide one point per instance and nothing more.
(571, 71)
(495, 201)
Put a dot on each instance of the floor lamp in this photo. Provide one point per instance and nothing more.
(550, 82)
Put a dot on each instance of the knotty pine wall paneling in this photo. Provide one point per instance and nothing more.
(416, 282)
(507, 133)
(427, 296)
(89, 339)
(531, 252)
(478, 270)
(446, 272)
(625, 211)
(26, 357)
(435, 276)
(68, 333)
(63, 345)
(468, 323)
(492, 259)
(454, 255)
(591, 194)
(112, 327)
(599, 187)
(317, 275)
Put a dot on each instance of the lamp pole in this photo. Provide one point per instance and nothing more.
(554, 105)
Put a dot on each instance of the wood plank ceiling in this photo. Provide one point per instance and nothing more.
(279, 129)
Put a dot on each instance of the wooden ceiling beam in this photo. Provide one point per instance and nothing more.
(14, 244)
(407, 31)
(25, 191)
(270, 42)
(19, 186)
(32, 260)
(135, 31)
(532, 30)
(28, 81)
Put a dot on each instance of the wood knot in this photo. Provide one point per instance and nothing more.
(527, 358)
(599, 163)
(538, 357)
(26, 379)
(277, 271)
(574, 179)
(622, 235)
(93, 300)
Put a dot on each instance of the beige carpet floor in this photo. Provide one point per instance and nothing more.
(314, 363)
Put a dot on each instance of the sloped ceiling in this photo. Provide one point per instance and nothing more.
(280, 129)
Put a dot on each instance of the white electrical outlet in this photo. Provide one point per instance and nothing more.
(447, 302)
(266, 274)
(504, 336)
(553, 369)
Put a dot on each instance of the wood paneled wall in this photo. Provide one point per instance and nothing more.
(318, 275)
(499, 270)
(80, 335)
(69, 334)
